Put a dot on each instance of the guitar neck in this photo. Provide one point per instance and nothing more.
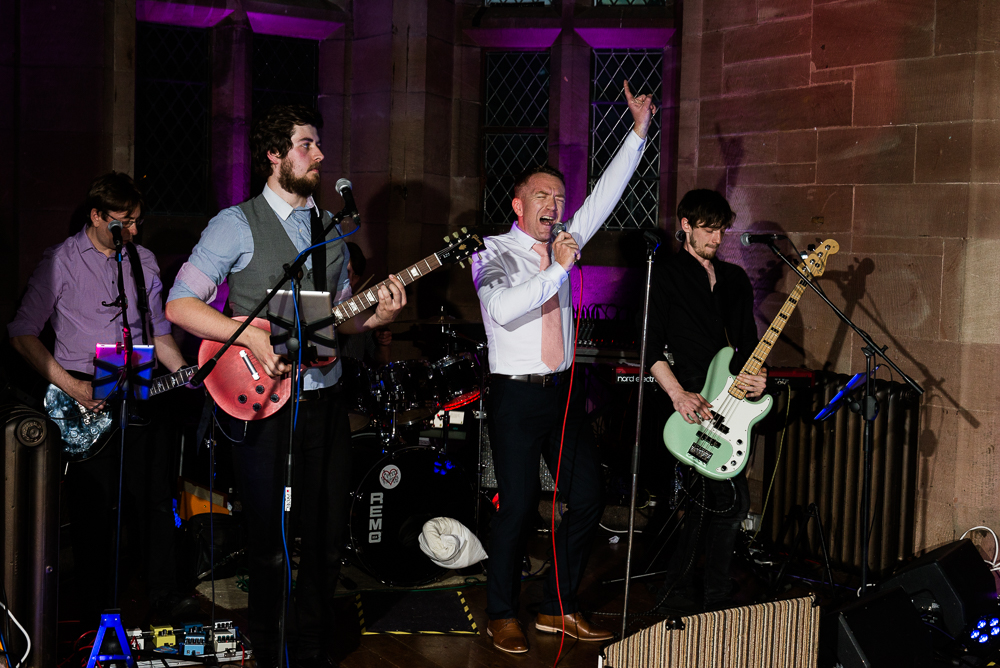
(763, 349)
(176, 379)
(362, 301)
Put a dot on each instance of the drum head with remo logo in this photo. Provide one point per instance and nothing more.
(394, 498)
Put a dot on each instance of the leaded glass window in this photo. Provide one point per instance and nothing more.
(172, 118)
(517, 121)
(610, 121)
(285, 71)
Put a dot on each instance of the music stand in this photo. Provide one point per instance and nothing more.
(841, 397)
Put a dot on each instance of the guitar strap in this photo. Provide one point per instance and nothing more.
(141, 297)
(319, 255)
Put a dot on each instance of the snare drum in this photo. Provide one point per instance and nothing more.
(394, 498)
(406, 388)
(456, 378)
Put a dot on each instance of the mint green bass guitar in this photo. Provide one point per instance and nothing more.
(717, 447)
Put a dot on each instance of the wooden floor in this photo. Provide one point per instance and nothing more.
(420, 651)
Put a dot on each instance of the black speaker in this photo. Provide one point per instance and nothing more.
(952, 582)
(883, 630)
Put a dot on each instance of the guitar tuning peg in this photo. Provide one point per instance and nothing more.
(447, 239)
(465, 230)
(454, 234)
(462, 264)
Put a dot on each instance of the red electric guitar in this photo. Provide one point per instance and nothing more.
(239, 384)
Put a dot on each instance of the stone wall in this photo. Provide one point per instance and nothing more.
(874, 123)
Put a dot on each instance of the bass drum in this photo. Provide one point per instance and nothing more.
(396, 495)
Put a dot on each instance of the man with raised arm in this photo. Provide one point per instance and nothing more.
(522, 282)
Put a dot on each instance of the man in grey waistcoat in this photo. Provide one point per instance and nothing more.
(246, 245)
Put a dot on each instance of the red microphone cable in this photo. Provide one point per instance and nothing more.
(562, 438)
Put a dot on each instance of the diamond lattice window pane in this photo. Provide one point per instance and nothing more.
(517, 89)
(506, 156)
(172, 118)
(285, 71)
(610, 122)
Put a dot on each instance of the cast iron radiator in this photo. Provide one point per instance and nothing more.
(822, 463)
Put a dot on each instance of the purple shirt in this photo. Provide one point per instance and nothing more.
(68, 287)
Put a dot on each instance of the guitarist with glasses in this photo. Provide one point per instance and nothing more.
(74, 289)
(698, 306)
(246, 246)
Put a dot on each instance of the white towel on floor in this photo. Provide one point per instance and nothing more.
(449, 544)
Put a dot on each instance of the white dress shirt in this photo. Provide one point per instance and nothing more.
(512, 289)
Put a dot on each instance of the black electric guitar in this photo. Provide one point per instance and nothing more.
(85, 433)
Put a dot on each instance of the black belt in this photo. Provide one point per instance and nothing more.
(545, 380)
(321, 393)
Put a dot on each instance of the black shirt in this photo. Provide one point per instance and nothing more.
(694, 321)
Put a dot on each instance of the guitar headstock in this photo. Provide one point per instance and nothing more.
(461, 246)
(815, 264)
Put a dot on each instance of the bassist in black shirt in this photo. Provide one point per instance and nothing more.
(698, 305)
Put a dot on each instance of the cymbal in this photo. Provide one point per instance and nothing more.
(440, 320)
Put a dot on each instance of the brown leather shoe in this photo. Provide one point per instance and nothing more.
(507, 635)
(576, 627)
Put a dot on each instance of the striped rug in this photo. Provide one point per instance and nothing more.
(768, 635)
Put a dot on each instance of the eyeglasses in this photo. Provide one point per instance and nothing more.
(126, 223)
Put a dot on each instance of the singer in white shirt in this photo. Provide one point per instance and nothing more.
(516, 274)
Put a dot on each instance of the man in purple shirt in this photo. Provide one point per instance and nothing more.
(72, 288)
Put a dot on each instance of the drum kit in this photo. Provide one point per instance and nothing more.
(402, 477)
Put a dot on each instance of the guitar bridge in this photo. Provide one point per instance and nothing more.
(699, 453)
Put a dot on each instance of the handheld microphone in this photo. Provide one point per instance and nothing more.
(344, 188)
(115, 227)
(557, 228)
(746, 238)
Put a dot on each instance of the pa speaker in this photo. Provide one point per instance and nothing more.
(882, 630)
(956, 579)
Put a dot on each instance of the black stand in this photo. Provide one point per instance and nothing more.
(802, 517)
(309, 332)
(653, 243)
(868, 409)
(127, 377)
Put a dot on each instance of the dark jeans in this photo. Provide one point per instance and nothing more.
(525, 420)
(320, 486)
(148, 487)
(711, 523)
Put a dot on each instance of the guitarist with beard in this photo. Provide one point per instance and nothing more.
(246, 246)
(73, 288)
(699, 305)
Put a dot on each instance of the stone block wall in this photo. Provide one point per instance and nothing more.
(873, 123)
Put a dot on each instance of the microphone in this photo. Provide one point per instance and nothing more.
(556, 229)
(746, 238)
(344, 188)
(115, 227)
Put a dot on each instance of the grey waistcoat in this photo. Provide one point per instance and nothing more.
(271, 249)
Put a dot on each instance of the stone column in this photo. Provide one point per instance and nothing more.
(119, 85)
(231, 102)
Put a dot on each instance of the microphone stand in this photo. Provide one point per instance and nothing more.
(868, 411)
(653, 244)
(125, 389)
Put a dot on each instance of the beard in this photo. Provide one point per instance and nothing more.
(303, 186)
(703, 251)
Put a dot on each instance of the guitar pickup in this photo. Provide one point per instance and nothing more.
(702, 436)
(718, 423)
(700, 453)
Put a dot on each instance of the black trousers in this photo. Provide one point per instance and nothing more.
(148, 479)
(320, 486)
(525, 420)
(711, 524)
